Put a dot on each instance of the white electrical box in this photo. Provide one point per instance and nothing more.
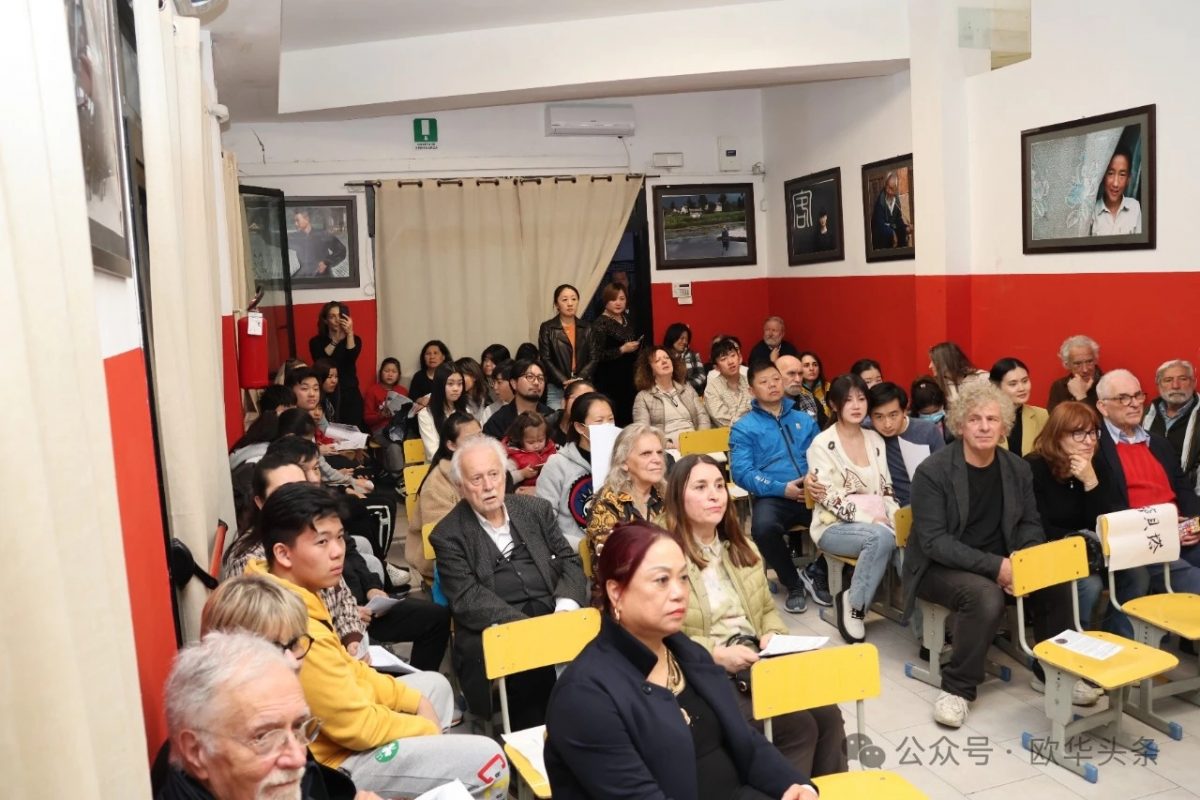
(729, 156)
(682, 292)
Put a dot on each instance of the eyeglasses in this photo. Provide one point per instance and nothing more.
(534, 377)
(1082, 436)
(298, 647)
(271, 742)
(1135, 399)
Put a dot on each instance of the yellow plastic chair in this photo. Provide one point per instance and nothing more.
(426, 545)
(531, 644)
(1153, 616)
(801, 681)
(585, 558)
(933, 624)
(1051, 564)
(413, 476)
(414, 451)
(711, 440)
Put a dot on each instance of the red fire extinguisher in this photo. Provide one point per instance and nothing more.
(252, 347)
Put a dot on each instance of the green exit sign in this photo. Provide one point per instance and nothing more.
(425, 133)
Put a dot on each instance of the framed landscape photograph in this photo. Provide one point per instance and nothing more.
(704, 225)
(888, 209)
(1088, 184)
(813, 205)
(322, 241)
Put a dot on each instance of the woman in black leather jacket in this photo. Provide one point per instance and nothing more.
(563, 345)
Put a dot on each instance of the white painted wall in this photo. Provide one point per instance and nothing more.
(1089, 57)
(316, 158)
(813, 127)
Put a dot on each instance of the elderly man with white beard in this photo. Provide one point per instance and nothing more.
(1173, 414)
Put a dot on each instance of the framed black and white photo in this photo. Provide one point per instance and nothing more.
(704, 225)
(322, 241)
(813, 205)
(1088, 184)
(888, 209)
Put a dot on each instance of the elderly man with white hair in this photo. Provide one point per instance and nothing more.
(499, 559)
(239, 727)
(973, 507)
(1142, 469)
(1081, 356)
(773, 345)
(1173, 414)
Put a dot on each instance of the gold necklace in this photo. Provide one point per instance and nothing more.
(676, 682)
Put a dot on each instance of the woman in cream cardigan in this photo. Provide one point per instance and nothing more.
(730, 612)
(665, 399)
(854, 517)
(1012, 376)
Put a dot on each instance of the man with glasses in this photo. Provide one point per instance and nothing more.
(1081, 356)
(528, 381)
(381, 731)
(1142, 469)
(1173, 415)
(501, 558)
(239, 727)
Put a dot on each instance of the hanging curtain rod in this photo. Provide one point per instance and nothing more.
(497, 179)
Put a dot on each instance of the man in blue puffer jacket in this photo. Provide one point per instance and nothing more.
(767, 450)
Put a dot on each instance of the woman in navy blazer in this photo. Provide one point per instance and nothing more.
(643, 712)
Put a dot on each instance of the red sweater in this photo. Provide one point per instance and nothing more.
(523, 458)
(1145, 478)
(374, 399)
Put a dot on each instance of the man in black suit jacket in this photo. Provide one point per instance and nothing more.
(973, 506)
(501, 559)
(1121, 402)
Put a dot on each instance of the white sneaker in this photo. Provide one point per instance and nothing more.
(851, 622)
(950, 710)
(1082, 693)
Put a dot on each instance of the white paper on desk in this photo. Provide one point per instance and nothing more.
(1085, 645)
(913, 454)
(345, 437)
(381, 604)
(782, 644)
(602, 439)
(385, 660)
(447, 791)
(530, 743)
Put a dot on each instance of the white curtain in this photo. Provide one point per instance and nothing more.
(184, 286)
(473, 261)
(70, 710)
(1065, 175)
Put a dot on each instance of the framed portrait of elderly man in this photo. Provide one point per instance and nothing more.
(813, 205)
(1088, 184)
(322, 241)
(888, 209)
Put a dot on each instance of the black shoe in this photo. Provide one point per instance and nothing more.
(1187, 647)
(816, 584)
(796, 602)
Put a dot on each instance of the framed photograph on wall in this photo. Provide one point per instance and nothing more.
(1088, 184)
(704, 225)
(813, 205)
(322, 241)
(888, 208)
(91, 31)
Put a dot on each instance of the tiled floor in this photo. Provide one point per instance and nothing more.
(984, 759)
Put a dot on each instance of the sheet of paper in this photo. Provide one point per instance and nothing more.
(529, 743)
(782, 644)
(447, 791)
(381, 605)
(1085, 645)
(602, 438)
(346, 437)
(385, 660)
(913, 455)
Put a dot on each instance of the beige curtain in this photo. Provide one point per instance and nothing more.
(235, 224)
(473, 261)
(179, 151)
(70, 710)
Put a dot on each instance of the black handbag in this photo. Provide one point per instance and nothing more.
(741, 679)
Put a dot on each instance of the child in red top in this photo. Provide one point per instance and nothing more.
(529, 445)
(375, 410)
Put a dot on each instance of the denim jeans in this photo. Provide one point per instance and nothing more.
(770, 519)
(554, 396)
(872, 544)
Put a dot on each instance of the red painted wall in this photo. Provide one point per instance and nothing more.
(736, 307)
(142, 532)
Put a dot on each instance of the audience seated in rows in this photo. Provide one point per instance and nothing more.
(812, 381)
(613, 726)
(493, 356)
(678, 341)
(773, 344)
(869, 370)
(529, 445)
(527, 379)
(1173, 415)
(474, 386)
(727, 393)
(909, 441)
(560, 420)
(566, 480)
(446, 396)
(793, 386)
(564, 346)
(1012, 376)
(952, 369)
(434, 353)
(437, 493)
(1080, 355)
(499, 559)
(634, 487)
(664, 399)
(929, 404)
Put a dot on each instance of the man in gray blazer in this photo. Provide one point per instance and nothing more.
(501, 559)
(973, 505)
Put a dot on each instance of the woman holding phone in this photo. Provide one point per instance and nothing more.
(614, 347)
(336, 341)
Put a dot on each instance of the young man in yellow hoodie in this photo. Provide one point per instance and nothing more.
(382, 731)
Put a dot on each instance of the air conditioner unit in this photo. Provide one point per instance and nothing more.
(589, 120)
